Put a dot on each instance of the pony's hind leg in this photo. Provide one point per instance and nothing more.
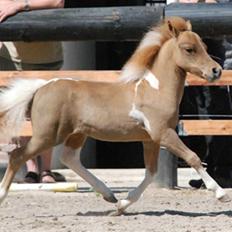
(72, 160)
(172, 142)
(151, 153)
(17, 158)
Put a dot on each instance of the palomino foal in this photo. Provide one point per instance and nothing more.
(142, 106)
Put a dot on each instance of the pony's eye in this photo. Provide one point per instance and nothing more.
(189, 50)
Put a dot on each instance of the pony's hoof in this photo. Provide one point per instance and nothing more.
(221, 194)
(121, 207)
(118, 212)
(111, 199)
(225, 198)
(123, 204)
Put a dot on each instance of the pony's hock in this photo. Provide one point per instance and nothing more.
(142, 105)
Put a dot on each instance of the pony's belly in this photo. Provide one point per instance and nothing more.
(113, 136)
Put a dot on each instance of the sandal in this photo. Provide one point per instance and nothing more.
(58, 177)
(32, 178)
(47, 173)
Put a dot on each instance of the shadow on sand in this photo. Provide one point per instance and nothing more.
(159, 213)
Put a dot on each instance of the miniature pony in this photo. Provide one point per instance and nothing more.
(141, 106)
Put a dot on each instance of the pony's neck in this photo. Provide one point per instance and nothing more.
(171, 77)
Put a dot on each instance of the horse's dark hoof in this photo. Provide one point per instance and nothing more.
(111, 199)
(118, 212)
(224, 198)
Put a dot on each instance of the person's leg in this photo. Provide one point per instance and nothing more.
(32, 175)
(46, 174)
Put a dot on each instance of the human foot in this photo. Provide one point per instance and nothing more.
(47, 177)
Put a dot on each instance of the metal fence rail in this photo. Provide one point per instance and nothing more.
(113, 23)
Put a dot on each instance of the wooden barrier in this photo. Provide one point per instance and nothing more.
(106, 76)
(205, 127)
(186, 127)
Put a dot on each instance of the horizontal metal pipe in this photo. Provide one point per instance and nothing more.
(104, 24)
(113, 23)
(208, 20)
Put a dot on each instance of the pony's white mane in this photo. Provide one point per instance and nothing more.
(133, 71)
(149, 47)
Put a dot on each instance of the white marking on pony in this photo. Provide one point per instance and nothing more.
(140, 117)
(58, 79)
(131, 72)
(151, 38)
(151, 79)
(211, 184)
(136, 86)
(135, 194)
(5, 147)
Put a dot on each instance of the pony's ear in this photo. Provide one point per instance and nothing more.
(174, 32)
(189, 25)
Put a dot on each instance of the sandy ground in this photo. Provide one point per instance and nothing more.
(159, 210)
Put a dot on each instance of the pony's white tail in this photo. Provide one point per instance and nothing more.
(14, 102)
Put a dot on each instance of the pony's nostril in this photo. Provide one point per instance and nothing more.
(217, 71)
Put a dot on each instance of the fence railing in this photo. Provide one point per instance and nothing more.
(113, 23)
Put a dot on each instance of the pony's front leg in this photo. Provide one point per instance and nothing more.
(151, 153)
(172, 142)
